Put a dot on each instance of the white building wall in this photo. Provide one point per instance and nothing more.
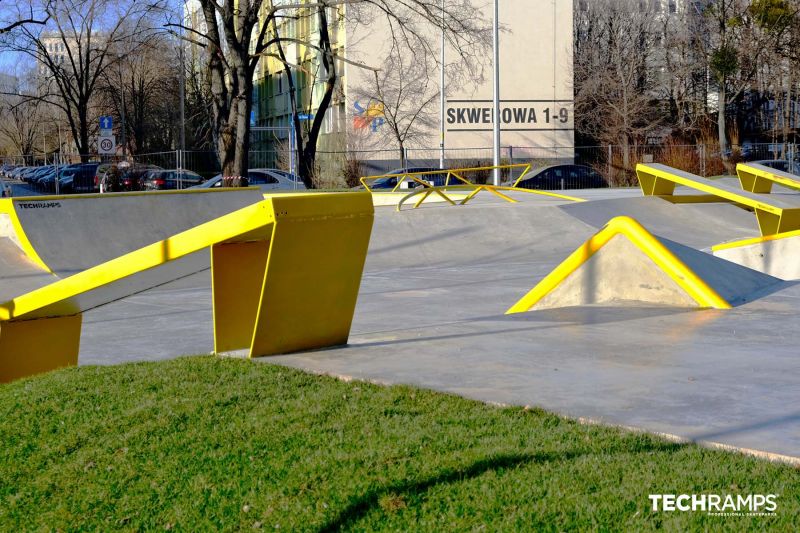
(536, 85)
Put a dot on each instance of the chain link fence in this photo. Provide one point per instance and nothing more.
(613, 166)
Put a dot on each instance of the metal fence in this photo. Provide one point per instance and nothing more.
(336, 170)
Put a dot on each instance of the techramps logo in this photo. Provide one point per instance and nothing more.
(716, 504)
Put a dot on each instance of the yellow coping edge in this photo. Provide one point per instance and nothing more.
(248, 223)
(755, 240)
(642, 168)
(220, 190)
(475, 188)
(767, 175)
(7, 208)
(676, 269)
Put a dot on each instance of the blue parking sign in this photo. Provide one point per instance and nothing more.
(106, 123)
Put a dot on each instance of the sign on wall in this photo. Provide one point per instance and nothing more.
(515, 115)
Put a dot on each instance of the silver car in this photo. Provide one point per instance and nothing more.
(268, 179)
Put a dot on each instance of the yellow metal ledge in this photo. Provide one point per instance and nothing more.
(694, 286)
(285, 271)
(773, 215)
(759, 178)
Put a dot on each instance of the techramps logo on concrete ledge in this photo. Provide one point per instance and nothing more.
(716, 504)
(39, 205)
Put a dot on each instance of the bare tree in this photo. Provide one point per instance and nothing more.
(16, 16)
(739, 34)
(238, 33)
(614, 43)
(404, 91)
(20, 122)
(142, 88)
(73, 52)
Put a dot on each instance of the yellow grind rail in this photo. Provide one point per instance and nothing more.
(263, 257)
(774, 215)
(454, 174)
(759, 178)
(474, 189)
(676, 269)
(755, 240)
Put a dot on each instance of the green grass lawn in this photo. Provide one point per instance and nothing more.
(202, 444)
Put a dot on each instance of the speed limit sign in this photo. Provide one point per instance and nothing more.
(106, 145)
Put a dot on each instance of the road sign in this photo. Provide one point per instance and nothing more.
(304, 116)
(106, 145)
(107, 123)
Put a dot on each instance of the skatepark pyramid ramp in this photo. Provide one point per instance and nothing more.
(624, 262)
(285, 270)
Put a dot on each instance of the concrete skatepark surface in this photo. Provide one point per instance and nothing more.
(430, 313)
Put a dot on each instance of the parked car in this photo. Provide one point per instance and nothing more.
(390, 182)
(557, 177)
(268, 179)
(83, 178)
(5, 189)
(780, 164)
(123, 177)
(6, 170)
(37, 172)
(164, 180)
(66, 175)
(46, 181)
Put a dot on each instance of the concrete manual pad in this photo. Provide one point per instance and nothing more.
(430, 313)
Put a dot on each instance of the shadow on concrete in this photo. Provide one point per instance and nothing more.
(793, 418)
(418, 240)
(600, 314)
(148, 315)
(362, 505)
(554, 319)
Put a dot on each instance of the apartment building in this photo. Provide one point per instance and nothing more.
(535, 84)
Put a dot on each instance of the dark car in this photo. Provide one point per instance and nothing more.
(46, 181)
(779, 164)
(389, 181)
(559, 177)
(164, 180)
(83, 178)
(124, 177)
(33, 176)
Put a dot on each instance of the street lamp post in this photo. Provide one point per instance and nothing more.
(496, 83)
(441, 97)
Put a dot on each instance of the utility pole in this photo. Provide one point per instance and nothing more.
(182, 91)
(441, 96)
(496, 84)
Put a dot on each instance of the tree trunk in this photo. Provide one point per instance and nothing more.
(83, 141)
(238, 141)
(309, 156)
(723, 141)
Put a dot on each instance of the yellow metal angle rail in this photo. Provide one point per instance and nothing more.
(475, 189)
(455, 173)
(676, 269)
